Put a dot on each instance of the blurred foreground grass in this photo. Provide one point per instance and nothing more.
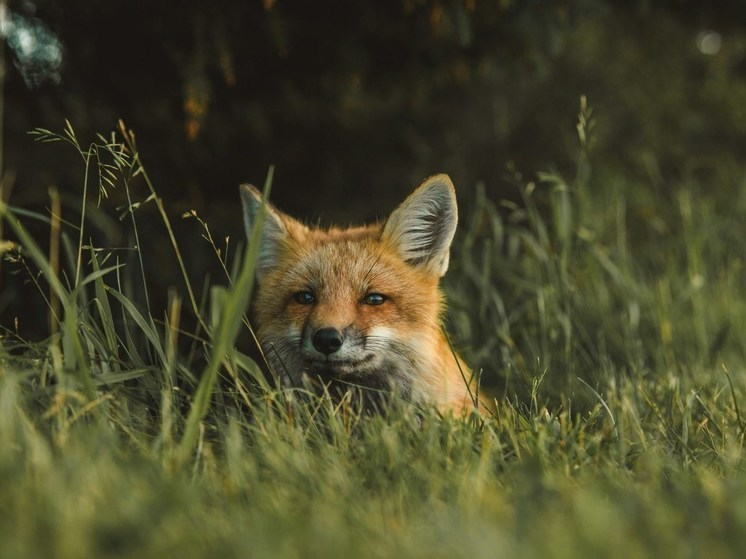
(608, 321)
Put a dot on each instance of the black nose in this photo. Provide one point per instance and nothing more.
(327, 340)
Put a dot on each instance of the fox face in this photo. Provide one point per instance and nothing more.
(360, 307)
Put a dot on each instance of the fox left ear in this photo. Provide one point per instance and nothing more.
(422, 227)
(273, 234)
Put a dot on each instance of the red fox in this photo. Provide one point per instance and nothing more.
(361, 306)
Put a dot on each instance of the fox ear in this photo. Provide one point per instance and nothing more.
(273, 231)
(422, 227)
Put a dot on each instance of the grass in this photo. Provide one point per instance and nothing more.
(607, 319)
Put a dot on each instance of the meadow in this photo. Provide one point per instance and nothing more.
(606, 319)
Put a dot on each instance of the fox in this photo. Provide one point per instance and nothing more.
(361, 307)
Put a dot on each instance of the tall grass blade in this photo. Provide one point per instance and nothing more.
(224, 336)
(104, 309)
(75, 355)
(143, 323)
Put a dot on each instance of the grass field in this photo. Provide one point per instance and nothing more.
(607, 318)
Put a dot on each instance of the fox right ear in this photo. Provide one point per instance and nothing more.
(422, 227)
(273, 232)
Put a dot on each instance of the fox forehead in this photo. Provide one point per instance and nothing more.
(345, 259)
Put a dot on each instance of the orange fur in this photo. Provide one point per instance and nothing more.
(395, 343)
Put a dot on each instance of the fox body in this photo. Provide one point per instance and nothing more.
(361, 307)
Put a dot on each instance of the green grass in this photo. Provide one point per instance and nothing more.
(606, 317)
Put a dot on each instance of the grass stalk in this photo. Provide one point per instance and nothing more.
(129, 138)
(54, 260)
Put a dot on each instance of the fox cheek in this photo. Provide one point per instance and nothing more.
(381, 334)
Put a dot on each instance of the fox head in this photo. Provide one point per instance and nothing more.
(357, 306)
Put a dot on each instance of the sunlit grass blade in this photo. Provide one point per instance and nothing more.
(223, 337)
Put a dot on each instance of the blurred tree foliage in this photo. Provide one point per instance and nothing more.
(356, 102)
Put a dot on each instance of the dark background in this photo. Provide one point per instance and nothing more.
(356, 102)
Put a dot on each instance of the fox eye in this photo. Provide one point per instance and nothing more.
(374, 299)
(304, 297)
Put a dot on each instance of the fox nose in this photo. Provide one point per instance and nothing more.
(327, 340)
